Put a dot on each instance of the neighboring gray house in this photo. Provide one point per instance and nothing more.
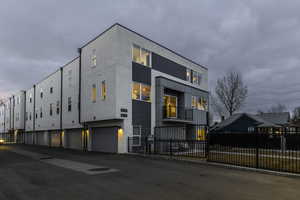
(247, 123)
(122, 84)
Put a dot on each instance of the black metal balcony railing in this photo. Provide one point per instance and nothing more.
(177, 113)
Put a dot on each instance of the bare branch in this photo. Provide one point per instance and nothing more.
(231, 91)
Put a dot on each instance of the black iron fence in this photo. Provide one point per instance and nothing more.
(266, 151)
(174, 141)
(277, 152)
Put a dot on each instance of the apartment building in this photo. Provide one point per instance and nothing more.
(122, 84)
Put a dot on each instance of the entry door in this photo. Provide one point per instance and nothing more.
(171, 106)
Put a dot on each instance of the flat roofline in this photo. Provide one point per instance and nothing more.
(128, 29)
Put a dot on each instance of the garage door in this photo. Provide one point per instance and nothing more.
(41, 138)
(73, 139)
(55, 139)
(105, 139)
(28, 138)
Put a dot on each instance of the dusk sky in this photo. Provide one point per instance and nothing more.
(259, 38)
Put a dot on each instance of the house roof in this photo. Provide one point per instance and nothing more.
(262, 122)
(281, 118)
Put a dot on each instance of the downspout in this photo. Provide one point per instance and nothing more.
(61, 102)
(24, 104)
(79, 92)
(33, 128)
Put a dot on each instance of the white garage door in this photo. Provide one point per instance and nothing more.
(73, 139)
(55, 139)
(105, 139)
(41, 138)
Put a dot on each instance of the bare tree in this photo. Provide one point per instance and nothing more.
(277, 108)
(217, 107)
(231, 91)
(296, 114)
(1, 101)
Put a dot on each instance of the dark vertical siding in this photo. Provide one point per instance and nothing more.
(141, 115)
(141, 74)
(167, 66)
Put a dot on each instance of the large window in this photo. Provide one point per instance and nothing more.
(188, 75)
(103, 90)
(141, 92)
(94, 93)
(194, 101)
(199, 103)
(141, 56)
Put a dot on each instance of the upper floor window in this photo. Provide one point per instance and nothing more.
(141, 56)
(199, 103)
(94, 93)
(41, 113)
(94, 58)
(30, 98)
(51, 90)
(30, 116)
(194, 101)
(41, 94)
(51, 109)
(69, 104)
(141, 92)
(18, 100)
(103, 90)
(57, 107)
(196, 78)
(188, 75)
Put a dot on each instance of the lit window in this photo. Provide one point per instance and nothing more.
(194, 102)
(136, 93)
(199, 78)
(94, 58)
(141, 92)
(136, 54)
(51, 109)
(94, 93)
(145, 57)
(188, 75)
(141, 56)
(103, 90)
(195, 77)
(146, 90)
(201, 104)
(69, 104)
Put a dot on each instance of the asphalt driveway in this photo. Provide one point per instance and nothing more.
(23, 177)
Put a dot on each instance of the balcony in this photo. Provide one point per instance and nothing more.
(177, 114)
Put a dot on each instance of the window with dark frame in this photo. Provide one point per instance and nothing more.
(69, 104)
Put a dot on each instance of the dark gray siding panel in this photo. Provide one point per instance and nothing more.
(167, 66)
(141, 115)
(141, 73)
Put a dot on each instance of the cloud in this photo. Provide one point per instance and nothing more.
(259, 38)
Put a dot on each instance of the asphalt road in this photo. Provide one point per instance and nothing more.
(22, 177)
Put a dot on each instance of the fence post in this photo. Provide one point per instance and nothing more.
(257, 149)
(207, 146)
(170, 146)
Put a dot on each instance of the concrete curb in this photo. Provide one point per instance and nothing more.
(203, 162)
